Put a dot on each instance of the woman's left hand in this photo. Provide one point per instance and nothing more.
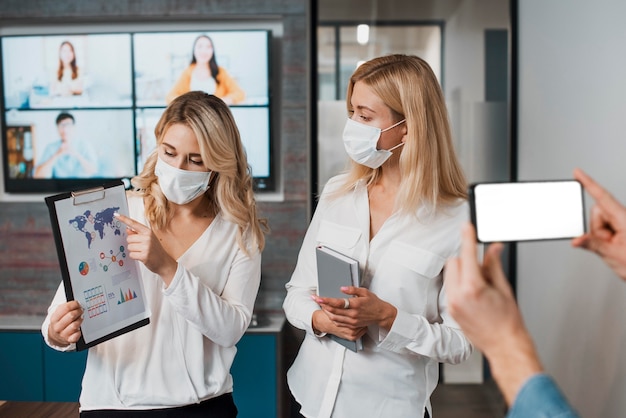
(144, 246)
(361, 310)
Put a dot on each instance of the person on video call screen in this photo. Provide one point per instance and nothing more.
(67, 157)
(68, 80)
(204, 74)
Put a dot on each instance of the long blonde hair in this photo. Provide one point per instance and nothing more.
(231, 192)
(431, 173)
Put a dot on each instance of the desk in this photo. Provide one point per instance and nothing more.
(31, 369)
(14, 409)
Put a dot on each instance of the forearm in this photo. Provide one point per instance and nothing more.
(298, 305)
(44, 170)
(512, 364)
(222, 316)
(299, 308)
(415, 334)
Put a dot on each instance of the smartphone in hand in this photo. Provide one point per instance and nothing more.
(527, 210)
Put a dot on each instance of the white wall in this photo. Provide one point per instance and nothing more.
(572, 113)
(477, 126)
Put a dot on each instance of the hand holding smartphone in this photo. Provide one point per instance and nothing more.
(527, 210)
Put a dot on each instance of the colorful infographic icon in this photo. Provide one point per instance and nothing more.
(83, 268)
(112, 258)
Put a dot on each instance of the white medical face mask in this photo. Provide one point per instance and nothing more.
(360, 141)
(181, 186)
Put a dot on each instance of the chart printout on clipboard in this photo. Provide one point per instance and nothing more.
(97, 271)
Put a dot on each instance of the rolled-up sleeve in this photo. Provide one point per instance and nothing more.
(541, 397)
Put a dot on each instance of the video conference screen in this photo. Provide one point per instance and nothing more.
(81, 109)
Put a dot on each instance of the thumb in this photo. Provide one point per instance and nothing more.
(492, 267)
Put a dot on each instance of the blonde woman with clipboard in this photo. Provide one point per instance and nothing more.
(194, 228)
(398, 211)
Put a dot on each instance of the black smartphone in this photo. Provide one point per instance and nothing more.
(527, 210)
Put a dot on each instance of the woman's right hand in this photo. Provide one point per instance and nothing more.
(144, 246)
(322, 323)
(65, 324)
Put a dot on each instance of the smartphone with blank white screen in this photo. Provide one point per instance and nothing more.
(527, 210)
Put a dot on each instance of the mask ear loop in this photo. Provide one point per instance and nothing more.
(393, 126)
(396, 146)
(212, 178)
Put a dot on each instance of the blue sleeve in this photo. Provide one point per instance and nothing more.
(540, 397)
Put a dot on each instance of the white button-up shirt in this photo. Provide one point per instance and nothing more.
(183, 356)
(397, 370)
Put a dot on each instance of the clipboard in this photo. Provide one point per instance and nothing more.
(95, 267)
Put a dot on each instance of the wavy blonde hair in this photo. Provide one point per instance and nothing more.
(430, 171)
(231, 192)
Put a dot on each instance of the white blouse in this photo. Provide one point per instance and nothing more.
(398, 369)
(184, 355)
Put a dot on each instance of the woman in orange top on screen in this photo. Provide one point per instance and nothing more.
(68, 81)
(205, 75)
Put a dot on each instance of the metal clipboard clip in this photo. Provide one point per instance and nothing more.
(89, 195)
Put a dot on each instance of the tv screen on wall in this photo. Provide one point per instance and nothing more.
(80, 109)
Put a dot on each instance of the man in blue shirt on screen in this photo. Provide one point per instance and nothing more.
(481, 300)
(67, 157)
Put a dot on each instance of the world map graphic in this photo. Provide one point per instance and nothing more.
(96, 225)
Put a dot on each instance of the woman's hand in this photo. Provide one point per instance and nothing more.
(323, 323)
(144, 246)
(65, 324)
(362, 309)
